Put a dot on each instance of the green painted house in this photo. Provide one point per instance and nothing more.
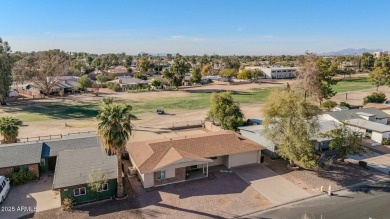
(73, 170)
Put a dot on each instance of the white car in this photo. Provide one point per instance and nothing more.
(4, 188)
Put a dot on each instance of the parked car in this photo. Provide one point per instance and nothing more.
(4, 188)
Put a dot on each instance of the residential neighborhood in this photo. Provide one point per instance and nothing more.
(171, 109)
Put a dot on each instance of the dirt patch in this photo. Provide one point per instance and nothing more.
(338, 176)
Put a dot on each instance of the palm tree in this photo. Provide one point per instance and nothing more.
(115, 129)
(9, 129)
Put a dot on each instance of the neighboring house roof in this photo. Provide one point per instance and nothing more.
(149, 156)
(365, 124)
(74, 167)
(20, 154)
(323, 127)
(130, 80)
(53, 147)
(352, 113)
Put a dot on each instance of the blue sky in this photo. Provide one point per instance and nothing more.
(252, 27)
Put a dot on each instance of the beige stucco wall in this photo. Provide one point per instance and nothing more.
(217, 161)
(148, 180)
(244, 158)
(377, 136)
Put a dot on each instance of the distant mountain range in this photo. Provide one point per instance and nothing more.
(346, 52)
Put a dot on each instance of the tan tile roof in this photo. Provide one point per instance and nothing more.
(152, 155)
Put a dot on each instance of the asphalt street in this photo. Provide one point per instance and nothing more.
(368, 202)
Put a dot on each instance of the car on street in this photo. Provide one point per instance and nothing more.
(4, 188)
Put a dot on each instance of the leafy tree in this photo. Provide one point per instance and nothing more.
(115, 128)
(232, 62)
(9, 129)
(225, 111)
(96, 180)
(367, 61)
(44, 69)
(156, 83)
(245, 74)
(84, 82)
(177, 71)
(5, 71)
(382, 62)
(229, 73)
(290, 122)
(376, 97)
(143, 64)
(101, 78)
(204, 60)
(206, 70)
(345, 141)
(140, 76)
(196, 76)
(127, 61)
(379, 76)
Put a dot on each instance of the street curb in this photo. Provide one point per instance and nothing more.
(311, 197)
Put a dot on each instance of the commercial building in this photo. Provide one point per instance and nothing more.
(275, 72)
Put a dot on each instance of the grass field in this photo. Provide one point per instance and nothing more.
(190, 101)
(352, 84)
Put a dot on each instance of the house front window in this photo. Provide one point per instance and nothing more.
(79, 191)
(104, 187)
(160, 174)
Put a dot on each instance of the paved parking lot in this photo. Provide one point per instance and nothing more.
(274, 187)
(24, 199)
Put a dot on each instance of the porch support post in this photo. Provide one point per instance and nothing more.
(207, 169)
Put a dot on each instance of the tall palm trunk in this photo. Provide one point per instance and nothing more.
(119, 192)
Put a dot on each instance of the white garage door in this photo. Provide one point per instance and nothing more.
(243, 158)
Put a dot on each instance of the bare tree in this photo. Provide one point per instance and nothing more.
(309, 75)
(43, 69)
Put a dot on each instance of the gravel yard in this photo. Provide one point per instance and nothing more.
(338, 176)
(223, 195)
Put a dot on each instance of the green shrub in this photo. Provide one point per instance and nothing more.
(386, 141)
(376, 97)
(345, 104)
(329, 104)
(21, 177)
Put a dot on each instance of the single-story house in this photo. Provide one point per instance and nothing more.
(371, 114)
(372, 130)
(371, 122)
(51, 148)
(14, 157)
(70, 158)
(167, 161)
(74, 169)
(130, 83)
(320, 142)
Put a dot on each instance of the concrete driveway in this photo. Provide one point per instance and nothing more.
(28, 198)
(274, 187)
